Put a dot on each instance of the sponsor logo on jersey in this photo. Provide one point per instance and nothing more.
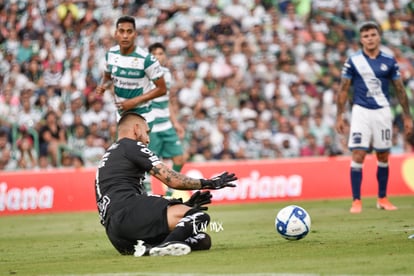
(134, 73)
(136, 63)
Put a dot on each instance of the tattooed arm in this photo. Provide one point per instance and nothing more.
(179, 181)
(341, 100)
(403, 100)
(174, 179)
(134, 127)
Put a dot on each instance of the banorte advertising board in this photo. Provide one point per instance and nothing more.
(259, 181)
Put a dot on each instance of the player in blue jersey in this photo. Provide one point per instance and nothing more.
(136, 75)
(138, 223)
(370, 72)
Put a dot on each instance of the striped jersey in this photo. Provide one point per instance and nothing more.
(160, 106)
(132, 75)
(371, 78)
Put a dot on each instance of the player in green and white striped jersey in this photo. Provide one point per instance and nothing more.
(136, 75)
(166, 130)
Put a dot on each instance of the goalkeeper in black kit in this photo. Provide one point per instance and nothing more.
(140, 224)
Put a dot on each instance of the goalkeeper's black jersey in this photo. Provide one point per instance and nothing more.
(121, 173)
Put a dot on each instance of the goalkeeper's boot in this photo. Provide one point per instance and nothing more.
(199, 241)
(384, 203)
(172, 248)
(141, 249)
(356, 207)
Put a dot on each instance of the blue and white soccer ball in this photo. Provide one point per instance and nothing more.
(293, 222)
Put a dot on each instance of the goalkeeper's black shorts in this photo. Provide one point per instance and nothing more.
(142, 218)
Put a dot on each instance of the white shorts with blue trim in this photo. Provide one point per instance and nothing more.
(370, 128)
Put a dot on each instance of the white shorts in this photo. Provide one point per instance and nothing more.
(370, 127)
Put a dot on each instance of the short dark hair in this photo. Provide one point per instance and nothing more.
(156, 45)
(368, 26)
(3, 132)
(126, 19)
(129, 114)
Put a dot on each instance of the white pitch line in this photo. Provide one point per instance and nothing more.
(402, 230)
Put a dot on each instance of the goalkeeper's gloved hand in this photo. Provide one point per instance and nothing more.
(199, 199)
(219, 182)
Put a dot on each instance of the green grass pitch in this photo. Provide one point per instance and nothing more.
(245, 242)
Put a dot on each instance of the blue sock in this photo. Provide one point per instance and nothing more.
(356, 179)
(382, 177)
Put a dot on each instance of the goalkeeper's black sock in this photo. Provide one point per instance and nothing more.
(193, 222)
(177, 168)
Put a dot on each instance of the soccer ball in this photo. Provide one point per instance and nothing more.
(293, 222)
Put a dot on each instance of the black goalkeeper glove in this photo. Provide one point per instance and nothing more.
(219, 182)
(199, 199)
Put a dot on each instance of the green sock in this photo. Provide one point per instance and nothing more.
(177, 168)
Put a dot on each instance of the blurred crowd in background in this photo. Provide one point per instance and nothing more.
(253, 79)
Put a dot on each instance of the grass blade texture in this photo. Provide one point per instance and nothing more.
(245, 242)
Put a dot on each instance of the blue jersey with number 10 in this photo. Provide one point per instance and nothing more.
(371, 78)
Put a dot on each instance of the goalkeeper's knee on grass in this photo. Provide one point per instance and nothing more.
(193, 222)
